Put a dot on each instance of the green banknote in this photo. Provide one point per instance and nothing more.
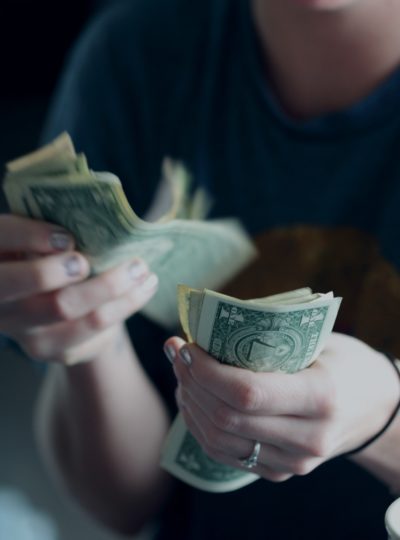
(56, 185)
(284, 332)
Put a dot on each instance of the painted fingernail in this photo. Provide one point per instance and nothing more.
(137, 269)
(150, 283)
(73, 266)
(170, 353)
(60, 241)
(185, 356)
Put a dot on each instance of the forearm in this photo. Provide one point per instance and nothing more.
(101, 425)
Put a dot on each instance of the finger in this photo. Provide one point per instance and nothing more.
(83, 298)
(277, 465)
(305, 393)
(73, 301)
(23, 234)
(190, 421)
(270, 474)
(51, 343)
(305, 437)
(295, 434)
(214, 441)
(89, 349)
(197, 429)
(274, 462)
(26, 278)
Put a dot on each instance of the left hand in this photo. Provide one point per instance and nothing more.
(300, 419)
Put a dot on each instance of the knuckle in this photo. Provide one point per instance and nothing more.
(60, 306)
(211, 451)
(37, 275)
(301, 467)
(216, 441)
(213, 441)
(111, 285)
(318, 446)
(97, 320)
(225, 419)
(41, 236)
(326, 402)
(248, 396)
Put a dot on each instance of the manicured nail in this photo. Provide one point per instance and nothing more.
(185, 356)
(137, 269)
(73, 266)
(150, 283)
(60, 241)
(170, 353)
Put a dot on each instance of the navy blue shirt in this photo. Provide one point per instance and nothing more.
(155, 78)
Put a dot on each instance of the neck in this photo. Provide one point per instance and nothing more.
(321, 60)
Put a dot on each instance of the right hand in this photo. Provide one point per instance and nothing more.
(47, 304)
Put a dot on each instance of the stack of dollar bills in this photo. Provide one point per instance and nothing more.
(285, 332)
(55, 184)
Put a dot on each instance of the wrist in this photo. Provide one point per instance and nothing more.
(394, 412)
(113, 365)
(101, 348)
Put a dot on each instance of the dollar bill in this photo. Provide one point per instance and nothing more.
(56, 185)
(284, 332)
(59, 149)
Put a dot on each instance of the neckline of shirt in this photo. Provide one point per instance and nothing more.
(372, 110)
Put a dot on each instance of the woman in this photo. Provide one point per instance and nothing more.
(287, 112)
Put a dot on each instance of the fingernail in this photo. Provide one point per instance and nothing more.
(150, 283)
(73, 266)
(60, 241)
(185, 356)
(170, 353)
(137, 269)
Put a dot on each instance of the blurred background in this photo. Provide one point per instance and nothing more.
(34, 41)
(35, 38)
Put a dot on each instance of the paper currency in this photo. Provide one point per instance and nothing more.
(284, 332)
(55, 184)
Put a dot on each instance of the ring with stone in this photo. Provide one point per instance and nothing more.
(252, 460)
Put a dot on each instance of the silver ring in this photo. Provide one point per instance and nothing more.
(252, 460)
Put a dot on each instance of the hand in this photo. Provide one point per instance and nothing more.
(48, 305)
(301, 419)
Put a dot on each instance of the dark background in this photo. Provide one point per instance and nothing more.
(35, 37)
